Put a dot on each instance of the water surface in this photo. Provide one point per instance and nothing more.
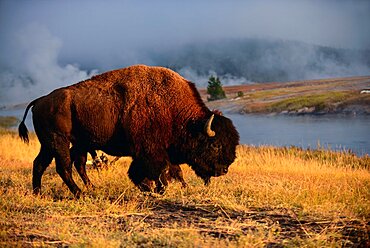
(334, 132)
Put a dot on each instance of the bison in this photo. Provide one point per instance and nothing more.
(149, 113)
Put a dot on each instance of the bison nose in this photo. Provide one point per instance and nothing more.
(225, 170)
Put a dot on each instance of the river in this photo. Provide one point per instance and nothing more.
(330, 132)
(307, 131)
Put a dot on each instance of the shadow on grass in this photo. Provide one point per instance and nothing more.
(283, 224)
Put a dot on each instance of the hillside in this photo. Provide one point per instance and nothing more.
(325, 96)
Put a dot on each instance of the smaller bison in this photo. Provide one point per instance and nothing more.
(174, 172)
(149, 113)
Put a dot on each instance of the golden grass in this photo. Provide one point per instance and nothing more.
(284, 196)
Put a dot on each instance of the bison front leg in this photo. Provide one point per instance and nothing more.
(143, 172)
(136, 172)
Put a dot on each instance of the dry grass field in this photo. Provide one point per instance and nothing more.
(271, 197)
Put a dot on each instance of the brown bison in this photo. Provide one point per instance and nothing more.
(149, 113)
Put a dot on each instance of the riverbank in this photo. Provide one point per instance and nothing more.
(315, 97)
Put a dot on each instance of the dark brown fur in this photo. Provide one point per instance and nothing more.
(150, 113)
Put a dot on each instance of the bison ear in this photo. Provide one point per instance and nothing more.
(207, 127)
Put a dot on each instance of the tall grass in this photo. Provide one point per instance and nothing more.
(285, 196)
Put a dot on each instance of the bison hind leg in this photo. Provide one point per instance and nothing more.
(63, 163)
(40, 164)
(80, 165)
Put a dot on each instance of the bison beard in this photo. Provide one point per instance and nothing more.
(149, 113)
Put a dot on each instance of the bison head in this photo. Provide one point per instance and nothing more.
(212, 146)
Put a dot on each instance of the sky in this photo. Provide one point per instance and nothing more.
(48, 44)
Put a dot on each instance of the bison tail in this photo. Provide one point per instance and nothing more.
(22, 129)
(23, 132)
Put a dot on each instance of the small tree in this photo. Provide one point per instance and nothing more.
(214, 89)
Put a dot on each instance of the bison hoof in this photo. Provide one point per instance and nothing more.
(78, 194)
(37, 191)
(90, 186)
(160, 191)
(207, 181)
(146, 186)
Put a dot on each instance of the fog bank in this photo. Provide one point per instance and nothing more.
(50, 44)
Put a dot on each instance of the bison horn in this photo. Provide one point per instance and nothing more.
(208, 129)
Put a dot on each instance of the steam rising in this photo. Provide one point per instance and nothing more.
(202, 79)
(34, 70)
(45, 44)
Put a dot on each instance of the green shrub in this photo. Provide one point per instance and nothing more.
(214, 89)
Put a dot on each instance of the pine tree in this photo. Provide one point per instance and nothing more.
(214, 89)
